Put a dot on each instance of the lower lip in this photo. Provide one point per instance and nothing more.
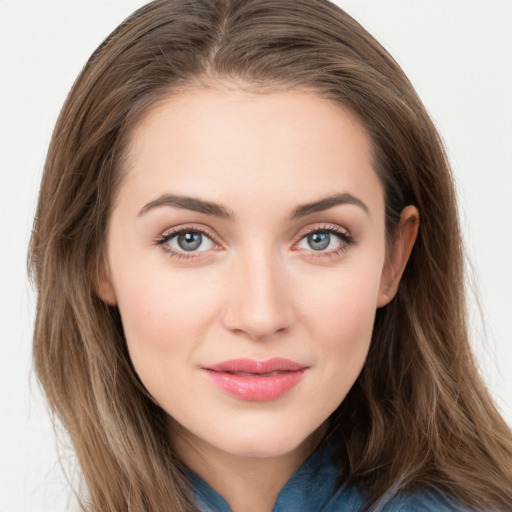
(257, 388)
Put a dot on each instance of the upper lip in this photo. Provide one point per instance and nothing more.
(256, 367)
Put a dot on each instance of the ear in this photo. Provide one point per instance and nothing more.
(104, 287)
(396, 260)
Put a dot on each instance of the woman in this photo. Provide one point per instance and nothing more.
(249, 270)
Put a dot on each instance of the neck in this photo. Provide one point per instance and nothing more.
(248, 484)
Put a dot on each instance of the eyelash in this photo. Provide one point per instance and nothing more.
(346, 240)
(162, 240)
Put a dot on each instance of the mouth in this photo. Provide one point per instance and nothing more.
(258, 381)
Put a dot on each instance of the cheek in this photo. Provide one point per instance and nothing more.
(346, 303)
(164, 314)
(342, 321)
(166, 317)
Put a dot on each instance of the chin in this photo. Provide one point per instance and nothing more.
(266, 449)
(266, 443)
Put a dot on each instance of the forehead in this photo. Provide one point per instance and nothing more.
(291, 116)
(226, 142)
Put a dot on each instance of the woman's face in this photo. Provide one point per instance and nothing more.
(246, 254)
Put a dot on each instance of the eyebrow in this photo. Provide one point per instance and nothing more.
(327, 203)
(217, 210)
(188, 203)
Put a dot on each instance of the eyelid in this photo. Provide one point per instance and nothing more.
(327, 227)
(198, 228)
(162, 239)
(344, 234)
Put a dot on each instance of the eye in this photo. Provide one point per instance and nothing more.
(319, 241)
(186, 241)
(190, 241)
(325, 240)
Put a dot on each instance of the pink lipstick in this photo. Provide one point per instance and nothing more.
(256, 380)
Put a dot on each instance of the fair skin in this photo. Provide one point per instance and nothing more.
(290, 262)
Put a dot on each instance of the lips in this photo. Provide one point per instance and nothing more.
(248, 379)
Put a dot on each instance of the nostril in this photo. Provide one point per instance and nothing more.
(257, 328)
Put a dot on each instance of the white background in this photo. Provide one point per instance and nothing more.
(458, 54)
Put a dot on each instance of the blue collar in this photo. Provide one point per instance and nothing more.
(312, 487)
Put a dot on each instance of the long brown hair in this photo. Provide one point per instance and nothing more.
(417, 416)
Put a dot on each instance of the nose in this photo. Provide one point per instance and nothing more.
(258, 304)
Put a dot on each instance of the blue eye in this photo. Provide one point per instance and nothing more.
(324, 241)
(188, 241)
(319, 241)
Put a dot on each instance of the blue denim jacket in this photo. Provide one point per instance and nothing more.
(313, 489)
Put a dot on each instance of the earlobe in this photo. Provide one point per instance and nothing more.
(104, 287)
(396, 261)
